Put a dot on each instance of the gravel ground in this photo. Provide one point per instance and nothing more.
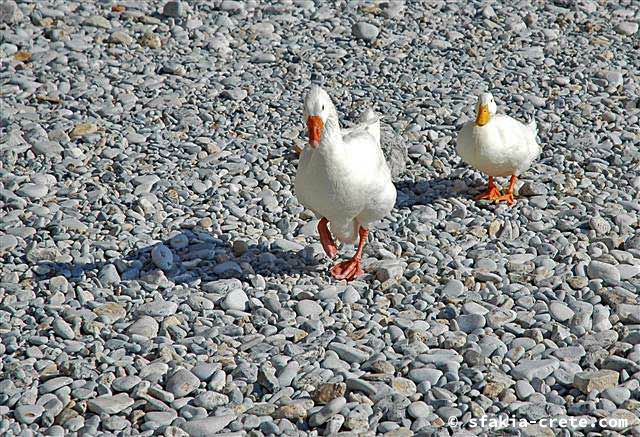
(159, 276)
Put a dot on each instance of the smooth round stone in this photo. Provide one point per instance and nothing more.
(388, 428)
(179, 242)
(55, 431)
(264, 58)
(600, 270)
(453, 288)
(486, 264)
(606, 405)
(33, 191)
(628, 271)
(474, 308)
(120, 37)
(158, 308)
(182, 382)
(125, 383)
(7, 243)
(626, 28)
(350, 295)
(447, 412)
(109, 275)
(63, 329)
(210, 400)
(145, 326)
(470, 322)
(561, 311)
(425, 374)
(205, 371)
(173, 9)
(28, 414)
(308, 308)
(162, 257)
(110, 404)
(236, 94)
(617, 395)
(58, 284)
(419, 409)
(235, 300)
(330, 409)
(365, 31)
(524, 389)
(10, 12)
(54, 384)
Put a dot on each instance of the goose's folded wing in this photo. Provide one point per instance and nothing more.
(512, 130)
(394, 149)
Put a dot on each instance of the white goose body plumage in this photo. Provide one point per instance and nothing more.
(502, 147)
(346, 178)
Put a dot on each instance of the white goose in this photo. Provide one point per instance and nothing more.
(497, 145)
(343, 178)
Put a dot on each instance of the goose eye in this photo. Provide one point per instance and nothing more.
(323, 107)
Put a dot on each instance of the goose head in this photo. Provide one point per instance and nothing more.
(318, 108)
(485, 109)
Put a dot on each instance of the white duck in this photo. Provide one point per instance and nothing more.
(497, 145)
(343, 178)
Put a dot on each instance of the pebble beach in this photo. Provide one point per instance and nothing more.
(159, 277)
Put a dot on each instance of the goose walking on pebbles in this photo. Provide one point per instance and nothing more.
(343, 178)
(497, 145)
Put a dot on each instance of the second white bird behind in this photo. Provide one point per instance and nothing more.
(497, 145)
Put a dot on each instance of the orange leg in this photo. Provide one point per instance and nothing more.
(326, 239)
(492, 192)
(508, 196)
(352, 268)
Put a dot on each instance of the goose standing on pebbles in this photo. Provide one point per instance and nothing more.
(343, 178)
(497, 145)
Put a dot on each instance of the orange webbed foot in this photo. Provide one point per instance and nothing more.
(349, 270)
(508, 197)
(326, 239)
(492, 192)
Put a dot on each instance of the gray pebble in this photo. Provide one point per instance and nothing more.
(63, 329)
(470, 322)
(453, 288)
(162, 257)
(207, 426)
(627, 28)
(182, 382)
(28, 414)
(173, 9)
(419, 409)
(607, 272)
(308, 308)
(529, 369)
(365, 31)
(348, 353)
(235, 300)
(330, 409)
(560, 311)
(110, 404)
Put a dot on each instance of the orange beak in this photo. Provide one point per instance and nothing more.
(483, 115)
(315, 126)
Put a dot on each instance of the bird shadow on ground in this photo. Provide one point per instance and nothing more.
(197, 255)
(427, 191)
